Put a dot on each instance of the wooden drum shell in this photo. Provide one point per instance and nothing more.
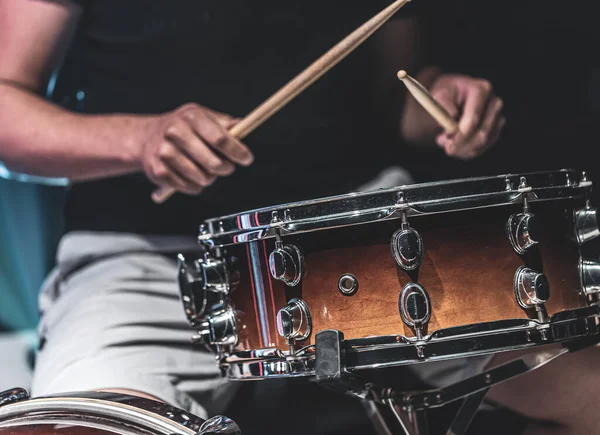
(468, 270)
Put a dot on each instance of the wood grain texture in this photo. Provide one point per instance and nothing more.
(254, 333)
(468, 271)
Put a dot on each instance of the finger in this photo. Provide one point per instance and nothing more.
(497, 131)
(191, 145)
(194, 178)
(224, 120)
(492, 116)
(218, 138)
(180, 163)
(443, 138)
(459, 153)
(476, 146)
(481, 140)
(447, 97)
(161, 175)
(458, 147)
(455, 142)
(475, 104)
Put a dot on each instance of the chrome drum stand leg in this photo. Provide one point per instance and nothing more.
(409, 408)
(410, 423)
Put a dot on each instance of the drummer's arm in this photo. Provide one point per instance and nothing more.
(469, 100)
(37, 136)
(176, 149)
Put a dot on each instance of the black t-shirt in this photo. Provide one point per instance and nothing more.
(151, 56)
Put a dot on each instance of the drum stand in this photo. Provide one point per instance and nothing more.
(409, 408)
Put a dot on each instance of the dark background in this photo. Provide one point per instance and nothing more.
(542, 59)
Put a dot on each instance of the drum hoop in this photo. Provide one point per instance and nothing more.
(140, 412)
(445, 344)
(385, 204)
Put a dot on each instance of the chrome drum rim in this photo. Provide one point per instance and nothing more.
(444, 344)
(411, 200)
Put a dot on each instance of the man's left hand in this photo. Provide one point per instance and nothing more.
(479, 113)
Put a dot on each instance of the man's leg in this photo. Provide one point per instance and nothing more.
(563, 392)
(117, 323)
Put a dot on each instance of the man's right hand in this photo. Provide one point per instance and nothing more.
(185, 149)
(188, 148)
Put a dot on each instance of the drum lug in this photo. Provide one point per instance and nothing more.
(522, 231)
(205, 285)
(586, 230)
(219, 425)
(218, 329)
(407, 246)
(13, 396)
(586, 224)
(294, 322)
(415, 308)
(286, 263)
(532, 290)
(589, 273)
(522, 227)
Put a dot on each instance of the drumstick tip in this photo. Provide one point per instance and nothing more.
(402, 74)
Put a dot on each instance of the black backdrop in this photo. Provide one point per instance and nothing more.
(542, 58)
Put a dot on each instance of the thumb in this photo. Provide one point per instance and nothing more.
(229, 124)
(224, 120)
(448, 101)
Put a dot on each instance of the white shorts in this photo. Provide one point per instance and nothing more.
(112, 319)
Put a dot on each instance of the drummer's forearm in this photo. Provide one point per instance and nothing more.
(43, 139)
(39, 137)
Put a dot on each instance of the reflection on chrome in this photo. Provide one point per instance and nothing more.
(444, 344)
(419, 199)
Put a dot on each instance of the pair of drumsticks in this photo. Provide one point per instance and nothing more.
(317, 70)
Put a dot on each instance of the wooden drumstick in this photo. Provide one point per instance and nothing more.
(429, 103)
(306, 78)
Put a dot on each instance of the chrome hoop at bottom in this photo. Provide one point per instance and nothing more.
(391, 351)
(269, 364)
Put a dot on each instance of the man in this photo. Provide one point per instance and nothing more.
(157, 84)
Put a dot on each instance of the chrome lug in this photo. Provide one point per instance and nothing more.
(522, 232)
(294, 321)
(415, 307)
(286, 264)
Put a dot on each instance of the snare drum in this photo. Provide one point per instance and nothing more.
(410, 274)
(101, 414)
